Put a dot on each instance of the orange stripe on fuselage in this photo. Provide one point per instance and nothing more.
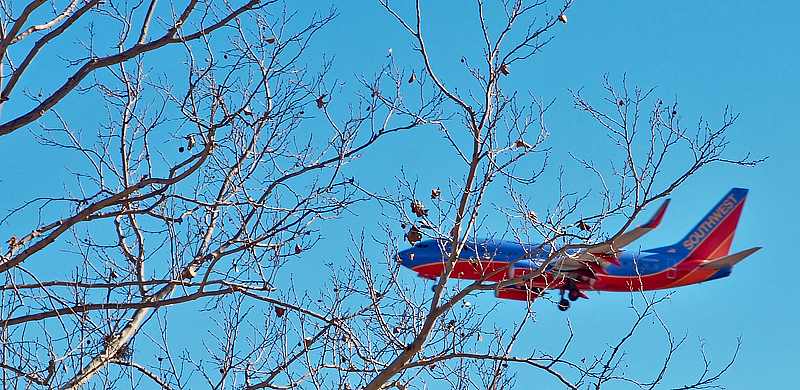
(686, 273)
(697, 274)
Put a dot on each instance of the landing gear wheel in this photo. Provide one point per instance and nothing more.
(563, 305)
(574, 294)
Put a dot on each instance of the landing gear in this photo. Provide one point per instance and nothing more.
(563, 304)
(574, 294)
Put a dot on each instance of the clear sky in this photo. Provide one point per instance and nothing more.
(741, 54)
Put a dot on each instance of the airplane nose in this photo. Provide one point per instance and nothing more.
(406, 257)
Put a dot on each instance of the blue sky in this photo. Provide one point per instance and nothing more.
(743, 55)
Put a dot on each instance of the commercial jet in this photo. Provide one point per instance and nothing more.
(700, 256)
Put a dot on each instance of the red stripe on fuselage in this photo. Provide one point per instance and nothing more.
(686, 272)
(467, 270)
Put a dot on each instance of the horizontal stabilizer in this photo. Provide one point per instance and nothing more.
(730, 260)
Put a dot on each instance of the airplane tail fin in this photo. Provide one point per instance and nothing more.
(711, 238)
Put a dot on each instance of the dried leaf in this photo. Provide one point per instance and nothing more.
(308, 341)
(621, 102)
(112, 274)
(279, 311)
(418, 209)
(321, 103)
(190, 138)
(583, 226)
(562, 18)
(435, 193)
(188, 272)
(270, 40)
(414, 235)
(413, 77)
(297, 249)
(504, 69)
(522, 144)
(533, 216)
(247, 111)
(13, 241)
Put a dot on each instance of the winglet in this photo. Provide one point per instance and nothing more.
(656, 219)
(632, 235)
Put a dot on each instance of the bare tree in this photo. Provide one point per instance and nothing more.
(216, 179)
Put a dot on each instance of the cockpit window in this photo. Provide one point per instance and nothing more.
(421, 245)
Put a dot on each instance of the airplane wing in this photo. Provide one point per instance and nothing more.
(607, 252)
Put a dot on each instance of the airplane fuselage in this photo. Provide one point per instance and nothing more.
(646, 270)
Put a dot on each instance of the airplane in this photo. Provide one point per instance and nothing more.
(702, 255)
